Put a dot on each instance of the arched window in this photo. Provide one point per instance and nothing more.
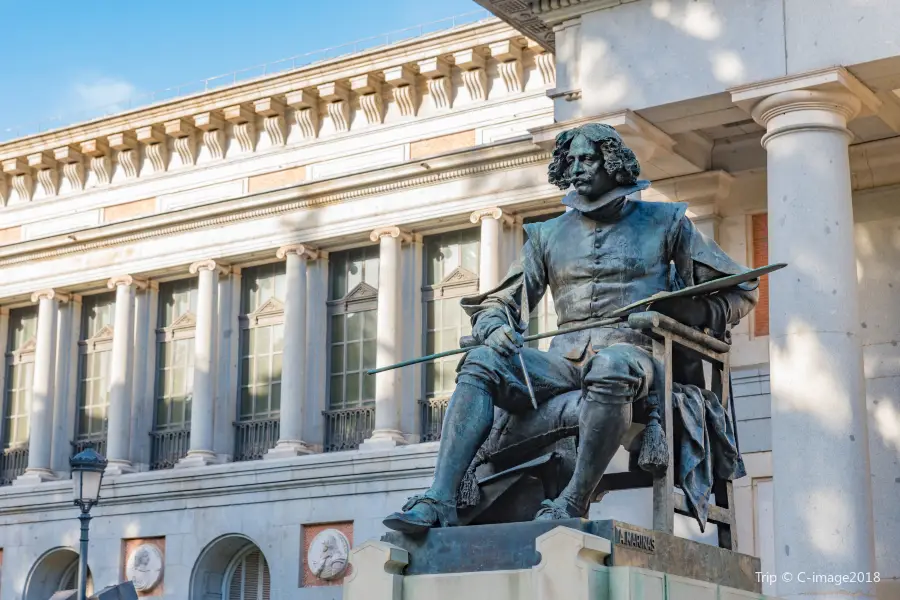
(248, 577)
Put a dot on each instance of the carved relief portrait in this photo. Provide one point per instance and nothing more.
(328, 554)
(144, 567)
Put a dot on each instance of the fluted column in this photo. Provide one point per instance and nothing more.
(388, 395)
(823, 501)
(293, 373)
(201, 452)
(118, 435)
(492, 220)
(40, 433)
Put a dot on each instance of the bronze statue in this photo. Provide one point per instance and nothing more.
(606, 253)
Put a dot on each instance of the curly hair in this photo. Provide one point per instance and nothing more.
(618, 160)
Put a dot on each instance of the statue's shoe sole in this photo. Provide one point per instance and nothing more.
(398, 523)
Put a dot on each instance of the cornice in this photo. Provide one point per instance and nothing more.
(338, 69)
(380, 180)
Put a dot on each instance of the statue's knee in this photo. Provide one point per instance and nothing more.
(609, 376)
(478, 357)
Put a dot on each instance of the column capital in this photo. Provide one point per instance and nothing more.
(392, 231)
(49, 294)
(801, 110)
(301, 250)
(118, 280)
(492, 212)
(210, 265)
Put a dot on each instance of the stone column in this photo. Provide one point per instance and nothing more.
(492, 220)
(118, 433)
(388, 392)
(203, 401)
(64, 404)
(823, 504)
(40, 440)
(316, 339)
(144, 357)
(293, 373)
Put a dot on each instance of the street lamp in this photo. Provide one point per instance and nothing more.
(87, 473)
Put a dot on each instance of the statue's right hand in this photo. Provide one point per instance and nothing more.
(505, 341)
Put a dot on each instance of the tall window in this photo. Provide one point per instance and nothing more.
(451, 267)
(95, 349)
(262, 344)
(248, 577)
(19, 366)
(174, 371)
(352, 308)
(543, 316)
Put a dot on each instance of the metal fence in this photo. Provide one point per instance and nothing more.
(431, 416)
(240, 76)
(13, 462)
(346, 428)
(168, 447)
(254, 438)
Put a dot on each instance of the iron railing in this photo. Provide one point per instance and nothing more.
(254, 438)
(97, 442)
(13, 462)
(168, 447)
(346, 428)
(245, 75)
(431, 417)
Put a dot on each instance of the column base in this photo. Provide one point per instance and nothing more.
(288, 449)
(197, 458)
(35, 476)
(119, 467)
(384, 439)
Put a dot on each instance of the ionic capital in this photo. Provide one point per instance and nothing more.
(129, 280)
(210, 265)
(491, 213)
(49, 294)
(391, 231)
(301, 250)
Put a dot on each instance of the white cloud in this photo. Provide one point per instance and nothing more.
(109, 94)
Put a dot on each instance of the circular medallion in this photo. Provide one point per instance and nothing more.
(328, 554)
(144, 567)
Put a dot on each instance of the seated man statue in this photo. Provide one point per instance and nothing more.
(607, 252)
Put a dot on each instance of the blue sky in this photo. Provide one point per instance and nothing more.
(75, 58)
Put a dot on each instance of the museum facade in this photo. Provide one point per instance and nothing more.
(196, 288)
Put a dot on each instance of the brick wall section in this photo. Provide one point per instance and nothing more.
(442, 145)
(309, 534)
(10, 236)
(276, 179)
(129, 210)
(128, 545)
(760, 244)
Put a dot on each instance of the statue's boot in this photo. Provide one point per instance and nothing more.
(467, 424)
(602, 422)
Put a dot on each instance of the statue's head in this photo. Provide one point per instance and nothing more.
(593, 159)
(142, 558)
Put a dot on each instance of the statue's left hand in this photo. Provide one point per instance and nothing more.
(693, 312)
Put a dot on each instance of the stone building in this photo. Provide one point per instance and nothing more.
(195, 288)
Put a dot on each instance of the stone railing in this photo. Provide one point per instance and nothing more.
(97, 442)
(347, 428)
(294, 107)
(254, 438)
(431, 417)
(168, 447)
(13, 462)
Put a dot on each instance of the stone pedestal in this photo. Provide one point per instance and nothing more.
(574, 560)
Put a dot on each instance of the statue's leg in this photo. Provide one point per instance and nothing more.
(485, 377)
(613, 379)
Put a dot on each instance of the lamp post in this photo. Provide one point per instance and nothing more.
(87, 473)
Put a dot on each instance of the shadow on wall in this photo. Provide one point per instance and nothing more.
(55, 571)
